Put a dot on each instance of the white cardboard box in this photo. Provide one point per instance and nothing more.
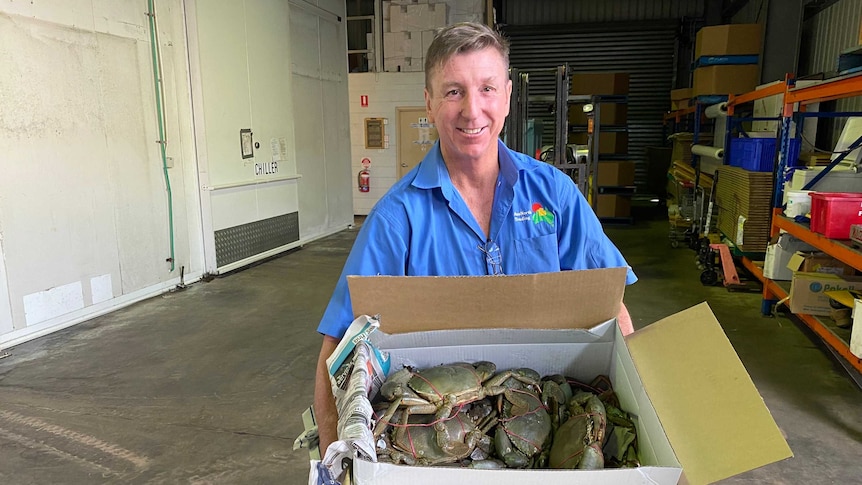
(779, 254)
(681, 379)
(403, 64)
(856, 333)
(417, 17)
(403, 44)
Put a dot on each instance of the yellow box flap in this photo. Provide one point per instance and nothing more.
(712, 414)
(568, 299)
(844, 297)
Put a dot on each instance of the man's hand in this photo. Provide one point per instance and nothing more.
(324, 404)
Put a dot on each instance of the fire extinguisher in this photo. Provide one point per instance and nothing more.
(364, 176)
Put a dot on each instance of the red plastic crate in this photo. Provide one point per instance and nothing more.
(832, 213)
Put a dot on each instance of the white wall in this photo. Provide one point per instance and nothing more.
(320, 92)
(386, 91)
(261, 65)
(84, 213)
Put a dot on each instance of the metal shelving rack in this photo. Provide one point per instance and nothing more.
(795, 101)
(594, 129)
(733, 102)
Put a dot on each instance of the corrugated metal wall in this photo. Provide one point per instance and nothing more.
(645, 50)
(828, 33)
(536, 12)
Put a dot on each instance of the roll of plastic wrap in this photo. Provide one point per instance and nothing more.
(707, 151)
(716, 110)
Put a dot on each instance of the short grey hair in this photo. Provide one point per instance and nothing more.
(462, 38)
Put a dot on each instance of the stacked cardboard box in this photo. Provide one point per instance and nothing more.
(609, 142)
(616, 173)
(680, 98)
(744, 202)
(727, 47)
(409, 27)
(410, 31)
(610, 114)
(596, 84)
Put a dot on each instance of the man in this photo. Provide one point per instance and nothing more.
(472, 206)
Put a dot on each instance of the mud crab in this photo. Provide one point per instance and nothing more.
(524, 431)
(415, 439)
(439, 390)
(578, 442)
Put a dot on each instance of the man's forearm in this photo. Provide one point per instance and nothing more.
(324, 404)
(625, 320)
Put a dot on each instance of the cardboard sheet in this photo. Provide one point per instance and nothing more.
(490, 301)
(690, 370)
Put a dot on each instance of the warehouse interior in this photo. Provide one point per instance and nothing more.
(183, 181)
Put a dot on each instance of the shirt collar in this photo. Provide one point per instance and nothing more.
(433, 173)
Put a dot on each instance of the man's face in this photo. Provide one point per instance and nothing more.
(468, 103)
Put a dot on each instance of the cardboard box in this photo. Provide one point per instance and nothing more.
(403, 44)
(680, 94)
(725, 79)
(609, 142)
(593, 83)
(417, 17)
(818, 262)
(680, 98)
(684, 420)
(610, 205)
(427, 38)
(680, 104)
(807, 291)
(609, 114)
(778, 254)
(733, 39)
(856, 332)
(615, 174)
(403, 64)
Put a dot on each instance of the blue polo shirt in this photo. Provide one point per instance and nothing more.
(422, 227)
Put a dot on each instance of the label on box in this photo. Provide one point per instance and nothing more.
(807, 291)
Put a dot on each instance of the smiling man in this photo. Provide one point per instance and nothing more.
(472, 206)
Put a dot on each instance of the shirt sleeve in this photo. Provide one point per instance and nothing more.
(379, 249)
(583, 243)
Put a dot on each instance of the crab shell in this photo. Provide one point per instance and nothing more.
(462, 380)
(577, 443)
(524, 429)
(417, 440)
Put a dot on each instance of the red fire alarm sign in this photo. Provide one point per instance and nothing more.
(363, 100)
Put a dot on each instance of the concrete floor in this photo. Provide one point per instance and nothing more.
(206, 385)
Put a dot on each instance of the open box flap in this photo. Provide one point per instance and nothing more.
(567, 299)
(710, 410)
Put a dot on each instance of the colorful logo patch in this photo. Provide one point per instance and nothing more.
(540, 214)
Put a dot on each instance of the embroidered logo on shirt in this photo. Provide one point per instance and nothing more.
(541, 215)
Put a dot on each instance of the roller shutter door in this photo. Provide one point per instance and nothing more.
(645, 50)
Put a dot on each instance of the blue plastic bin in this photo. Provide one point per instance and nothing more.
(758, 154)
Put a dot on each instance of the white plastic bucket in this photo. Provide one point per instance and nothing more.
(798, 203)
